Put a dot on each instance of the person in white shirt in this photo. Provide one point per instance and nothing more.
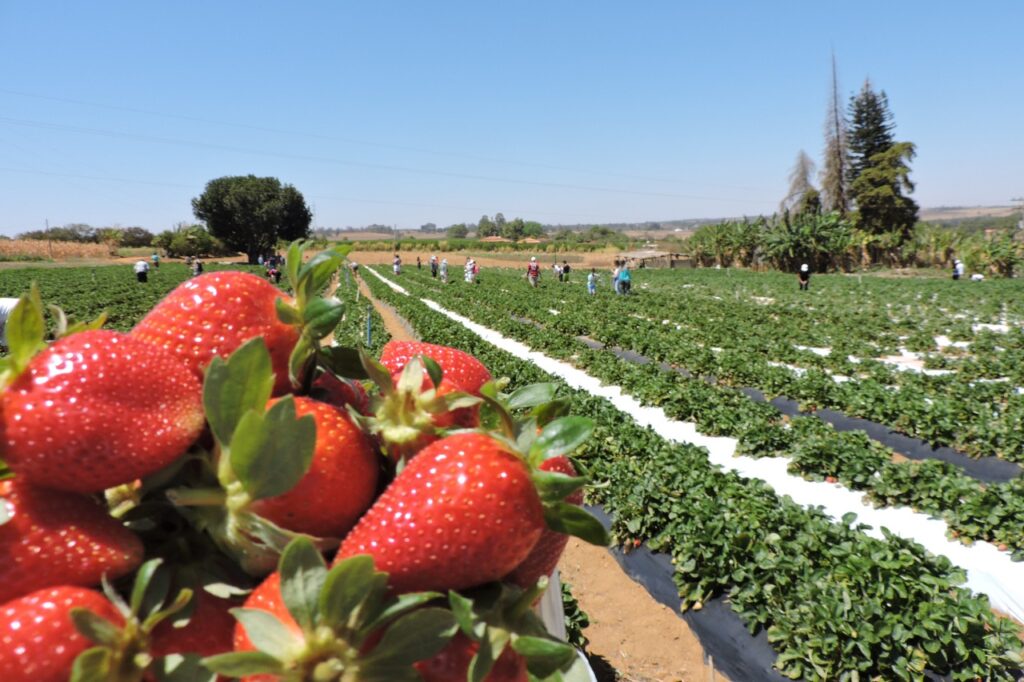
(6, 307)
(142, 271)
(444, 270)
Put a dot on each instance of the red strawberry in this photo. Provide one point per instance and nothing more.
(453, 664)
(266, 597)
(38, 642)
(214, 314)
(463, 512)
(97, 409)
(330, 389)
(340, 483)
(58, 538)
(459, 367)
(209, 630)
(544, 556)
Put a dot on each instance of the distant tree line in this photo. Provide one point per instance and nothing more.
(86, 234)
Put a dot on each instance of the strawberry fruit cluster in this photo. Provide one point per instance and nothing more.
(258, 505)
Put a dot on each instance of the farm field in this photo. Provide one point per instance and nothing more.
(836, 598)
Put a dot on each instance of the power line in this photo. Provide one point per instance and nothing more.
(358, 164)
(348, 140)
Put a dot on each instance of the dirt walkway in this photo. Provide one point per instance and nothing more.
(632, 637)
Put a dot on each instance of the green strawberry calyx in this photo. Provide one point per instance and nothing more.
(315, 316)
(121, 652)
(404, 413)
(499, 616)
(349, 627)
(544, 432)
(260, 452)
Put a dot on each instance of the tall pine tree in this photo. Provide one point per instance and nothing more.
(870, 129)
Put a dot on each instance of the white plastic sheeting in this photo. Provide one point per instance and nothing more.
(988, 570)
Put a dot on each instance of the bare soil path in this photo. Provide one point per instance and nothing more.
(632, 637)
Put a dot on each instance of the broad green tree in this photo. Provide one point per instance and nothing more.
(252, 214)
(486, 227)
(882, 207)
(457, 231)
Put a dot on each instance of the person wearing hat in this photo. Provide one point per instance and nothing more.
(805, 277)
(958, 268)
(533, 271)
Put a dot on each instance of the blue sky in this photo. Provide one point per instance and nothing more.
(405, 113)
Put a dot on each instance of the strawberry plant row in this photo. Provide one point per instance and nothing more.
(743, 343)
(973, 511)
(836, 603)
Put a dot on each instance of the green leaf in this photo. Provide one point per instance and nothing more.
(462, 610)
(346, 586)
(414, 637)
(95, 628)
(299, 360)
(483, 661)
(180, 668)
(376, 372)
(531, 396)
(321, 316)
(233, 387)
(401, 605)
(572, 520)
(92, 665)
(268, 634)
(287, 313)
(271, 452)
(342, 361)
(554, 486)
(543, 656)
(144, 582)
(243, 663)
(561, 437)
(26, 328)
(303, 573)
(434, 370)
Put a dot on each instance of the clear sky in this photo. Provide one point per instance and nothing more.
(118, 113)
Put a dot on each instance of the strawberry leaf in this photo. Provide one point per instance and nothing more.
(234, 387)
(271, 452)
(303, 573)
(343, 362)
(287, 313)
(26, 330)
(554, 486)
(243, 663)
(531, 396)
(413, 637)
(401, 605)
(180, 668)
(95, 628)
(345, 587)
(434, 370)
(321, 316)
(462, 610)
(268, 634)
(572, 520)
(150, 589)
(560, 437)
(543, 656)
(92, 665)
(376, 372)
(483, 660)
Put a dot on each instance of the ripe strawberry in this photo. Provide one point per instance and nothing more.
(452, 663)
(340, 483)
(460, 368)
(209, 630)
(58, 538)
(97, 409)
(544, 556)
(266, 597)
(214, 314)
(38, 642)
(461, 513)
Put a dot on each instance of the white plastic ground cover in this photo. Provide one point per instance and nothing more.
(988, 570)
